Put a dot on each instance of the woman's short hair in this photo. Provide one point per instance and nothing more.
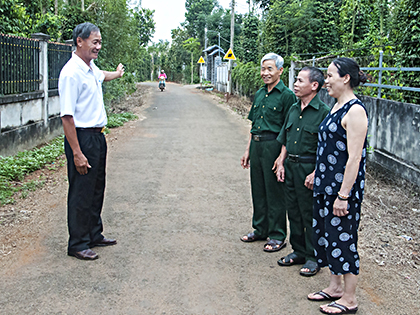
(350, 67)
(277, 59)
(83, 31)
(315, 75)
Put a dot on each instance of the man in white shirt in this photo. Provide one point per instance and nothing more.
(83, 116)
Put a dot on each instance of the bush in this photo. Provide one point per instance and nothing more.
(116, 120)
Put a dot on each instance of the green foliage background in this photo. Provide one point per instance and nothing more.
(295, 29)
(126, 31)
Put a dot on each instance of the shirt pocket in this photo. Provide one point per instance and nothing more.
(252, 112)
(310, 138)
(273, 114)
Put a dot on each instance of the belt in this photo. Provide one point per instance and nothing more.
(265, 137)
(301, 159)
(92, 129)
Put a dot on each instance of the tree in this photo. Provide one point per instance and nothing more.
(263, 4)
(354, 17)
(192, 45)
(249, 39)
(303, 26)
(177, 55)
(406, 32)
(219, 22)
(159, 53)
(14, 18)
(144, 24)
(195, 17)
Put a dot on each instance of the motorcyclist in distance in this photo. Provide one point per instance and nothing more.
(163, 77)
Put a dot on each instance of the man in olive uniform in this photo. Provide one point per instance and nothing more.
(296, 166)
(271, 104)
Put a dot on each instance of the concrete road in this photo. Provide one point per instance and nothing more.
(178, 201)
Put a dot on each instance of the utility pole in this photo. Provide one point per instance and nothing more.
(205, 49)
(219, 42)
(232, 33)
(192, 67)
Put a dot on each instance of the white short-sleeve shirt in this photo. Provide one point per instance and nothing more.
(80, 89)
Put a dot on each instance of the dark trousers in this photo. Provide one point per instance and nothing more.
(86, 192)
(299, 204)
(269, 218)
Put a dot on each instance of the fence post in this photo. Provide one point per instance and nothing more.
(381, 57)
(70, 42)
(43, 71)
(313, 61)
(292, 74)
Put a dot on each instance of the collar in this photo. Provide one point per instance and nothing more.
(280, 87)
(79, 61)
(315, 102)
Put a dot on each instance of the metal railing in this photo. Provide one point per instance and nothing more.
(19, 65)
(380, 72)
(58, 55)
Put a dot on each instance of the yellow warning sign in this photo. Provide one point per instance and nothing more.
(229, 55)
(201, 60)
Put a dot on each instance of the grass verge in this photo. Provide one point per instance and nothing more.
(13, 169)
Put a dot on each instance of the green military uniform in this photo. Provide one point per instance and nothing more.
(267, 115)
(300, 136)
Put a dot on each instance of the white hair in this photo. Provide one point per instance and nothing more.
(277, 59)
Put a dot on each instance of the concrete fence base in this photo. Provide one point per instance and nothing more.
(29, 136)
(394, 135)
(26, 123)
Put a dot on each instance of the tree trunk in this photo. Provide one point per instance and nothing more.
(192, 67)
(352, 25)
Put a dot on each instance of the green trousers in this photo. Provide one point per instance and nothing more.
(299, 204)
(269, 218)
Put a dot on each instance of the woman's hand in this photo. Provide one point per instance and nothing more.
(340, 208)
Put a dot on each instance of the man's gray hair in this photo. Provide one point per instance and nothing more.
(83, 31)
(277, 59)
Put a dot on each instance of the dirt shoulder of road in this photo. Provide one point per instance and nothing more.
(24, 223)
(388, 236)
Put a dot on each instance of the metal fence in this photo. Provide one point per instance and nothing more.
(19, 65)
(58, 55)
(379, 77)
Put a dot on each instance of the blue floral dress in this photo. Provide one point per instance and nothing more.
(335, 238)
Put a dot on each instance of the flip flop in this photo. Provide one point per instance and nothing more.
(325, 297)
(297, 260)
(344, 309)
(275, 246)
(251, 237)
(313, 269)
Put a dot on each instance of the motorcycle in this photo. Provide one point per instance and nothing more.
(162, 85)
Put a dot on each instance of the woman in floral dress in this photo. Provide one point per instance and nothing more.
(339, 186)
